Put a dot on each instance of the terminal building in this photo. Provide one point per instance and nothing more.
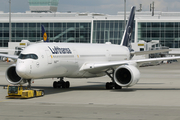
(87, 27)
(43, 5)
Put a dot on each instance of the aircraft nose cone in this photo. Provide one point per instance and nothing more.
(22, 71)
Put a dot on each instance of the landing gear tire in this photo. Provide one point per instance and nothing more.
(111, 85)
(117, 86)
(67, 84)
(64, 85)
(61, 84)
(55, 84)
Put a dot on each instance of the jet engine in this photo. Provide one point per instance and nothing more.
(126, 75)
(12, 77)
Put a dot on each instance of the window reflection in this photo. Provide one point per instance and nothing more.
(28, 56)
(166, 32)
(108, 31)
(57, 32)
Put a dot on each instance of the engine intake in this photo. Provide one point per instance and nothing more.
(126, 75)
(12, 77)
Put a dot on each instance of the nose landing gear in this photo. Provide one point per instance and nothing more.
(61, 84)
(29, 84)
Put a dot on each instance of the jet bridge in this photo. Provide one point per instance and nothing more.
(148, 46)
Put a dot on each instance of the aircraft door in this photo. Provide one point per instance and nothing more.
(76, 56)
(49, 57)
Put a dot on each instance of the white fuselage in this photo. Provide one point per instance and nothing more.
(66, 59)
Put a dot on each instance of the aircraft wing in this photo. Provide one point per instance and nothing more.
(107, 65)
(4, 50)
(9, 56)
(149, 52)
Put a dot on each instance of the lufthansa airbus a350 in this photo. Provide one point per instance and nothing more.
(77, 60)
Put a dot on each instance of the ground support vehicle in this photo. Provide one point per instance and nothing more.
(23, 92)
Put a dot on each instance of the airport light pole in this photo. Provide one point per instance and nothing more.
(9, 20)
(124, 14)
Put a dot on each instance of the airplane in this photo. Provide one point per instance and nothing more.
(80, 60)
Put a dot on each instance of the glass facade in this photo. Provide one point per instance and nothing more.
(108, 31)
(43, 3)
(166, 32)
(57, 32)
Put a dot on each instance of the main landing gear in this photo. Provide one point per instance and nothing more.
(111, 85)
(61, 84)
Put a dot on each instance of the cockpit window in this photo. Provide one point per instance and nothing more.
(28, 56)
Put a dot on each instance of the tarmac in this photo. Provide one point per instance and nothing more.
(155, 97)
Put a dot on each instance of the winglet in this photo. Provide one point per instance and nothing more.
(44, 34)
(126, 39)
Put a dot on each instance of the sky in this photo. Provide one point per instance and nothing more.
(96, 6)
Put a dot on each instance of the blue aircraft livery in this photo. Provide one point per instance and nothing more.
(44, 34)
(57, 50)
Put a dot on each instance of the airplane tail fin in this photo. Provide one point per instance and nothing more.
(126, 39)
(44, 34)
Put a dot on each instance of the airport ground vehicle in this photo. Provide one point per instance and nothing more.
(22, 92)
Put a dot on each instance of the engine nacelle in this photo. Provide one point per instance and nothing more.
(12, 77)
(126, 75)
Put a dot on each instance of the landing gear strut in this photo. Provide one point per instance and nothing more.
(61, 83)
(29, 84)
(111, 85)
